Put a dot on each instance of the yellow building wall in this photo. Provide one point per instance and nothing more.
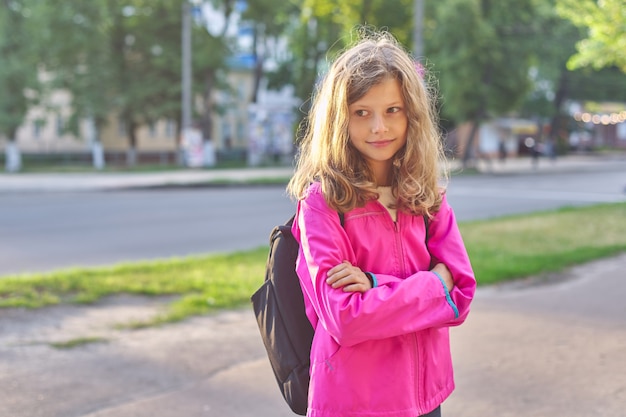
(42, 129)
(161, 137)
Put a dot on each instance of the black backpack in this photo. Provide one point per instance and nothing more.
(280, 313)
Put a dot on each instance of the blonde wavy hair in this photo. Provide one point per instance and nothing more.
(326, 153)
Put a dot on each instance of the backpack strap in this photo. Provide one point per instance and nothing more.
(426, 224)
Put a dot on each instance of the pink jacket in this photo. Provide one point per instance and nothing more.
(385, 352)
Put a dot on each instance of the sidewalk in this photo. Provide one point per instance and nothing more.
(567, 163)
(101, 181)
(519, 354)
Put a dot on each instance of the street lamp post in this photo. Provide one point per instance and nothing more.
(185, 122)
(418, 28)
(186, 66)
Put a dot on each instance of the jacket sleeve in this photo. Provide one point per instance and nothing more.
(397, 306)
(446, 245)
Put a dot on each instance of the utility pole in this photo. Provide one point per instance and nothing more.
(418, 29)
(185, 121)
(186, 67)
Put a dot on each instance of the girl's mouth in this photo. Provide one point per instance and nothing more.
(381, 143)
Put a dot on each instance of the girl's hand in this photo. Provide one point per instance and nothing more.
(445, 273)
(348, 277)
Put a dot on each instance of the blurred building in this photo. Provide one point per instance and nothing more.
(588, 126)
(494, 138)
(598, 125)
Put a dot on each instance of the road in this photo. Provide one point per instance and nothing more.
(47, 231)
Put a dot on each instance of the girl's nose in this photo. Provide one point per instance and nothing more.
(378, 125)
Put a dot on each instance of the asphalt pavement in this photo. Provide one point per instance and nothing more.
(541, 347)
(92, 181)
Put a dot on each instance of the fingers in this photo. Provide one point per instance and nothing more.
(347, 277)
(341, 276)
(338, 268)
(358, 287)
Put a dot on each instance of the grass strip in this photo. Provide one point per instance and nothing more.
(78, 342)
(519, 246)
(500, 249)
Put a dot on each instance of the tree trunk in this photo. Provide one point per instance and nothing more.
(469, 144)
(207, 122)
(97, 153)
(180, 151)
(481, 113)
(258, 65)
(13, 161)
(131, 153)
(561, 94)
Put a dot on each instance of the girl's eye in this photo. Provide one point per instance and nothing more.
(393, 109)
(361, 113)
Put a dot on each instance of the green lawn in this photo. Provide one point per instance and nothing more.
(500, 249)
(516, 247)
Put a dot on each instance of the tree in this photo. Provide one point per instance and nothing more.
(72, 44)
(19, 86)
(145, 37)
(394, 15)
(555, 84)
(269, 20)
(211, 48)
(605, 22)
(122, 58)
(481, 54)
(552, 85)
(309, 38)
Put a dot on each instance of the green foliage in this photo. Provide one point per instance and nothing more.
(555, 40)
(606, 84)
(19, 84)
(72, 46)
(324, 27)
(393, 15)
(481, 53)
(122, 58)
(605, 22)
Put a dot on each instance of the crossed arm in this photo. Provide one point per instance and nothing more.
(351, 279)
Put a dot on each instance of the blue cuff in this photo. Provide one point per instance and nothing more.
(373, 279)
(456, 310)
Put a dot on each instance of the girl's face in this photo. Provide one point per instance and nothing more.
(377, 127)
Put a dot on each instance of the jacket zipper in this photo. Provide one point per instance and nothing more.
(397, 238)
(418, 376)
(416, 368)
(399, 247)
(416, 353)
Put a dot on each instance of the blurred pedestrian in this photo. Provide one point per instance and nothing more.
(382, 285)
(502, 150)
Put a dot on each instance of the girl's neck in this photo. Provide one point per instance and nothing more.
(382, 174)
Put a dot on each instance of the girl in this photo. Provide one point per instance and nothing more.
(383, 285)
